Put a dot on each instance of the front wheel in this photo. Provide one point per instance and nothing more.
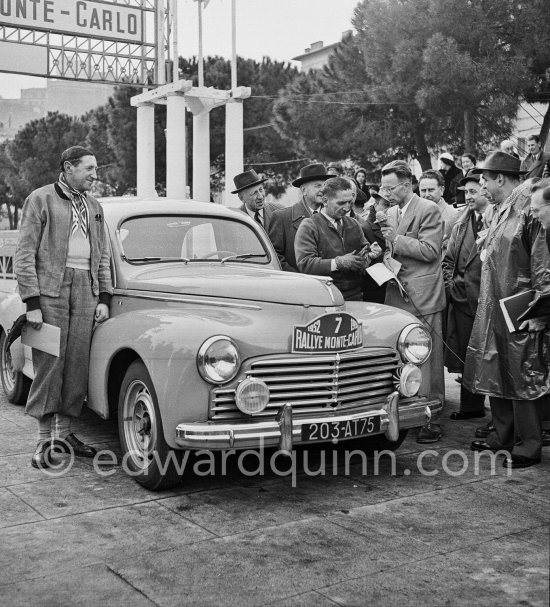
(16, 385)
(147, 457)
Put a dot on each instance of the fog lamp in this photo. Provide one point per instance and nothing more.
(252, 396)
(409, 380)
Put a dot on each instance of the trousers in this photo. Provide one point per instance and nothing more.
(60, 383)
(518, 425)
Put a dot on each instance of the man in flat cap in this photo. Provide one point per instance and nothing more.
(462, 274)
(285, 223)
(510, 367)
(62, 266)
(251, 192)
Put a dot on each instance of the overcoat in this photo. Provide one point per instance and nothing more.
(515, 258)
(282, 233)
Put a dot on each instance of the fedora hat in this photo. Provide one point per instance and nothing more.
(311, 172)
(246, 180)
(500, 162)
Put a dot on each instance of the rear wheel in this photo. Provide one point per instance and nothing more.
(148, 458)
(16, 385)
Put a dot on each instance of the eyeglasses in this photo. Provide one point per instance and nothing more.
(391, 188)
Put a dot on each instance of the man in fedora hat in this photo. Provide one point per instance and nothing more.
(251, 192)
(285, 223)
(510, 367)
(462, 274)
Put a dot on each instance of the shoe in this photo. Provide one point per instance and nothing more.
(481, 445)
(71, 443)
(429, 433)
(545, 437)
(467, 414)
(520, 461)
(42, 456)
(484, 431)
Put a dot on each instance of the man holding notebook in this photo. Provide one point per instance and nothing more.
(62, 266)
(510, 366)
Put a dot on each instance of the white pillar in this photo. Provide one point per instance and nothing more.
(146, 151)
(201, 156)
(176, 147)
(234, 146)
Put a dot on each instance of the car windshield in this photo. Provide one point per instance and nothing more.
(165, 238)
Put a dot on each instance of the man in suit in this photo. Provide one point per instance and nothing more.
(430, 187)
(251, 193)
(533, 164)
(462, 274)
(414, 232)
(285, 222)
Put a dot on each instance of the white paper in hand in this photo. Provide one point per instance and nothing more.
(380, 273)
(46, 339)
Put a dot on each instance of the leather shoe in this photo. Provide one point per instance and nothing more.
(520, 461)
(467, 414)
(481, 445)
(429, 433)
(484, 431)
(71, 443)
(42, 456)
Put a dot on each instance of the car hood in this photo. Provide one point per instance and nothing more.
(232, 281)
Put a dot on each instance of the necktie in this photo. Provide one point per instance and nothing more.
(258, 218)
(339, 227)
(399, 215)
(479, 223)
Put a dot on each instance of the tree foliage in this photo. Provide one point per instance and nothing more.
(420, 74)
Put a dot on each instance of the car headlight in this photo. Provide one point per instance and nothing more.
(218, 359)
(408, 380)
(414, 344)
(252, 396)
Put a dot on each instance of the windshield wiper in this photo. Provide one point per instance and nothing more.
(148, 259)
(243, 256)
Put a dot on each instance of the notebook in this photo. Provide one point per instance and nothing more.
(514, 306)
(46, 339)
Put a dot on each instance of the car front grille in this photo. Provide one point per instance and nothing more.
(314, 384)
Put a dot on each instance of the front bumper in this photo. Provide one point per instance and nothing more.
(284, 431)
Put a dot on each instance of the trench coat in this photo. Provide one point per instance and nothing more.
(499, 363)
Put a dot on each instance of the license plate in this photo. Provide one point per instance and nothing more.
(328, 333)
(335, 431)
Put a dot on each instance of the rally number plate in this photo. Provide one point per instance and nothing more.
(328, 333)
(341, 430)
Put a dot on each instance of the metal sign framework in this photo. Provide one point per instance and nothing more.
(98, 59)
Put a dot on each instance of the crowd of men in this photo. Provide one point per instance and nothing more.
(458, 242)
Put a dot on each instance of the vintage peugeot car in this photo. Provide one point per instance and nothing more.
(211, 346)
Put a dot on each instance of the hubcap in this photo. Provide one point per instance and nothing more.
(140, 424)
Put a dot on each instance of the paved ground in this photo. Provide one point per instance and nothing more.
(457, 537)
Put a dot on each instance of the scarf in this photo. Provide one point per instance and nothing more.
(80, 218)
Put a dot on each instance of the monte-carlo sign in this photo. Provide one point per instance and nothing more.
(90, 18)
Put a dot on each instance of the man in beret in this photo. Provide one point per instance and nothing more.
(285, 222)
(451, 174)
(510, 367)
(251, 192)
(62, 266)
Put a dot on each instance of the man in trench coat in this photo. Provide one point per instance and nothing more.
(512, 368)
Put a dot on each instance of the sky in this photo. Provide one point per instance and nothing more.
(280, 29)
